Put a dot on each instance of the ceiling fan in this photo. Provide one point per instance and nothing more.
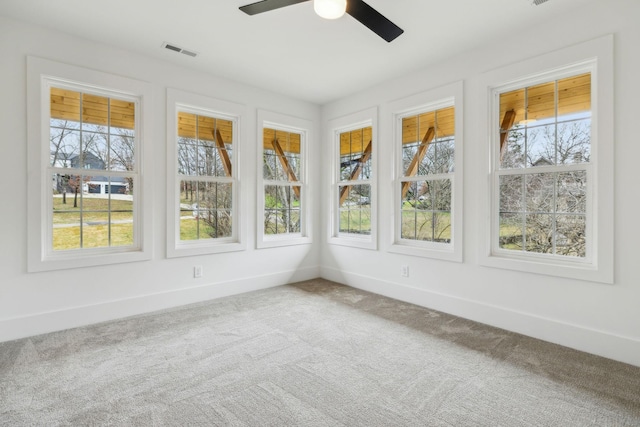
(332, 9)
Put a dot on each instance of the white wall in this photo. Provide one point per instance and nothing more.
(598, 318)
(41, 302)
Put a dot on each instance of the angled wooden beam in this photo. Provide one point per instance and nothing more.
(366, 154)
(226, 161)
(505, 127)
(412, 170)
(286, 166)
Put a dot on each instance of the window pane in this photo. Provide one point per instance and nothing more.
(282, 155)
(540, 103)
(92, 214)
(206, 128)
(540, 192)
(347, 166)
(65, 218)
(409, 193)
(94, 151)
(224, 154)
(122, 115)
(426, 211)
(282, 209)
(539, 233)
(439, 192)
(270, 165)
(510, 234)
(65, 108)
(428, 143)
(64, 145)
(572, 192)
(511, 198)
(186, 126)
(206, 159)
(95, 112)
(355, 210)
(512, 154)
(189, 225)
(122, 234)
(204, 145)
(541, 145)
(427, 162)
(122, 150)
(408, 153)
(445, 156)
(187, 156)
(355, 154)
(571, 235)
(512, 101)
(210, 206)
(574, 95)
(574, 142)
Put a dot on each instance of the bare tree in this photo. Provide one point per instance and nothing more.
(545, 212)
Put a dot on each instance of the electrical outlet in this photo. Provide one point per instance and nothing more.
(197, 271)
(404, 270)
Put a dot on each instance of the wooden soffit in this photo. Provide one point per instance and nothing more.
(574, 96)
(355, 142)
(415, 127)
(288, 141)
(96, 110)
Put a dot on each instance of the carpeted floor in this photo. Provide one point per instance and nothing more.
(311, 354)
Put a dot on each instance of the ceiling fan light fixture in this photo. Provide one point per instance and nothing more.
(330, 9)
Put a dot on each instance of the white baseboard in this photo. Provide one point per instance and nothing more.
(40, 323)
(620, 348)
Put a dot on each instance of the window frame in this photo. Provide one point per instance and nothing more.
(41, 75)
(432, 100)
(362, 119)
(303, 127)
(595, 57)
(177, 101)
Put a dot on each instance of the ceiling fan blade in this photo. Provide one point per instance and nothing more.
(267, 5)
(373, 19)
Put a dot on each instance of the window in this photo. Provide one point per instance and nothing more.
(353, 222)
(544, 167)
(203, 141)
(552, 168)
(354, 188)
(88, 198)
(282, 178)
(427, 213)
(93, 167)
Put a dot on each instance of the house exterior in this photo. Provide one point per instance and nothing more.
(92, 184)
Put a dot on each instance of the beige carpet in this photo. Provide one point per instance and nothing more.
(311, 354)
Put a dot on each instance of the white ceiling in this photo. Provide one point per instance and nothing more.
(292, 50)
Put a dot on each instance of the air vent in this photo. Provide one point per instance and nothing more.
(175, 48)
(538, 2)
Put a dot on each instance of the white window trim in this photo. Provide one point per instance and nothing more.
(337, 126)
(595, 56)
(272, 120)
(178, 100)
(40, 73)
(445, 96)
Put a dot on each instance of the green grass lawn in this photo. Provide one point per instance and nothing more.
(95, 220)
(93, 236)
(356, 220)
(426, 225)
(93, 209)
